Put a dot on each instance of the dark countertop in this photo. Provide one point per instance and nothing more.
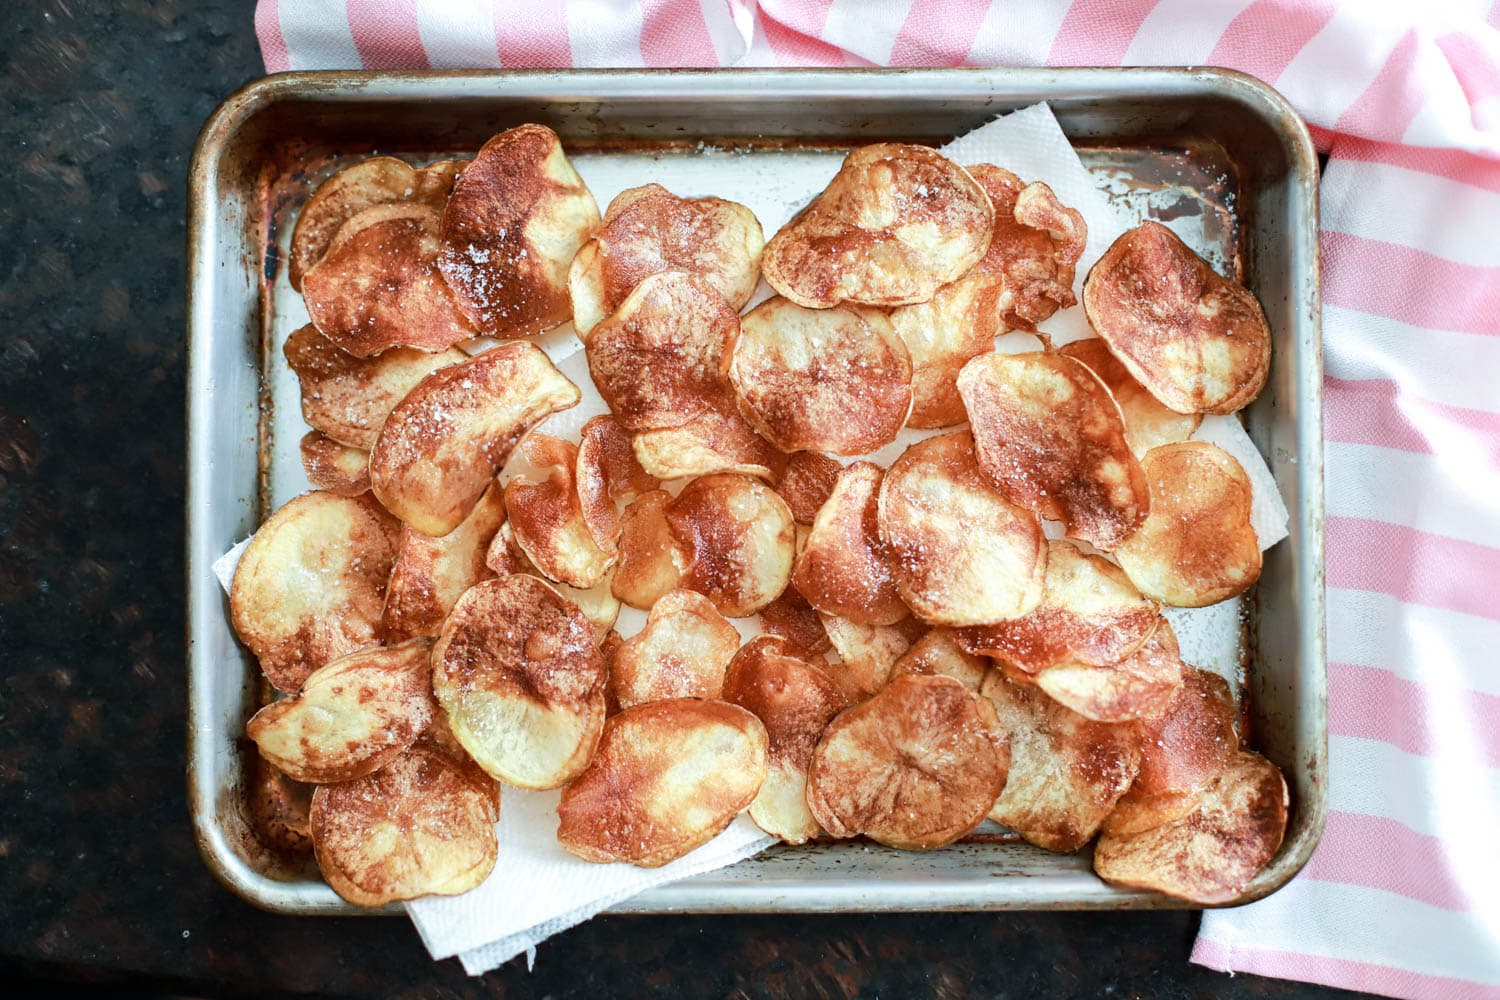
(100, 881)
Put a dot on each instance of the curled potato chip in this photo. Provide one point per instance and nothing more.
(894, 225)
(843, 568)
(546, 518)
(518, 673)
(836, 380)
(867, 653)
(607, 470)
(738, 539)
(1066, 771)
(310, 585)
(1139, 686)
(915, 767)
(1198, 546)
(716, 440)
(334, 467)
(939, 652)
(512, 224)
(795, 701)
(1210, 854)
(352, 717)
(431, 574)
(442, 445)
(348, 398)
(647, 230)
(651, 560)
(790, 617)
(1050, 437)
(961, 553)
(1198, 341)
(681, 653)
(598, 603)
(420, 826)
(1148, 424)
(278, 808)
(805, 483)
(668, 777)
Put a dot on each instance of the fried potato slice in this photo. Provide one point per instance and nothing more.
(835, 380)
(1198, 341)
(1148, 424)
(1066, 771)
(420, 826)
(310, 585)
(519, 675)
(961, 553)
(915, 767)
(334, 467)
(606, 471)
(939, 652)
(716, 440)
(278, 808)
(431, 574)
(796, 701)
(738, 538)
(516, 217)
(648, 230)
(442, 445)
(805, 483)
(1050, 437)
(1210, 854)
(598, 603)
(681, 652)
(1198, 546)
(894, 225)
(843, 569)
(867, 653)
(1139, 686)
(791, 618)
(668, 777)
(352, 717)
(546, 517)
(652, 561)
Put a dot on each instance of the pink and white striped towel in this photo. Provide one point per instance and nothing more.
(1403, 894)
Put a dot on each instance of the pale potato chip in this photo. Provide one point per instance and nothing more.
(738, 538)
(334, 467)
(647, 230)
(895, 224)
(790, 617)
(1137, 687)
(606, 471)
(681, 652)
(278, 807)
(546, 517)
(651, 560)
(961, 553)
(805, 483)
(1050, 437)
(939, 652)
(442, 445)
(1198, 546)
(310, 585)
(843, 569)
(1198, 341)
(867, 653)
(1148, 424)
(915, 767)
(716, 440)
(512, 224)
(668, 777)
(431, 574)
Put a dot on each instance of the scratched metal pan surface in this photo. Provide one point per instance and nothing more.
(1219, 155)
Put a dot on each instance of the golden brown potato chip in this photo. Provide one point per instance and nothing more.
(680, 653)
(651, 560)
(843, 569)
(893, 226)
(805, 483)
(598, 603)
(518, 673)
(378, 180)
(1051, 438)
(352, 717)
(961, 553)
(796, 701)
(1210, 854)
(940, 652)
(431, 574)
(1198, 341)
(1066, 772)
(668, 777)
(915, 767)
(790, 617)
(1139, 686)
(1148, 424)
(836, 380)
(335, 467)
(417, 827)
(647, 230)
(867, 653)
(738, 538)
(546, 517)
(444, 442)
(606, 471)
(348, 398)
(278, 808)
(515, 219)
(309, 586)
(716, 440)
(1198, 546)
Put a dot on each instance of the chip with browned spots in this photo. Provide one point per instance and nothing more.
(546, 517)
(668, 777)
(605, 472)
(738, 539)
(680, 653)
(843, 568)
(867, 653)
(893, 226)
(793, 619)
(431, 574)
(1139, 686)
(278, 807)
(651, 560)
(805, 482)
(716, 440)
(938, 651)
(334, 467)
(1148, 424)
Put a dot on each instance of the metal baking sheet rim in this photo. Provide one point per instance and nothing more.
(950, 887)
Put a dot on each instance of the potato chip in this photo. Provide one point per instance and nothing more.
(836, 380)
(519, 675)
(805, 483)
(546, 517)
(716, 440)
(894, 225)
(1198, 546)
(651, 560)
(1050, 437)
(515, 219)
(738, 539)
(681, 653)
(961, 553)
(334, 467)
(843, 569)
(1148, 424)
(790, 617)
(607, 470)
(598, 603)
(648, 230)
(796, 701)
(1209, 855)
(417, 827)
(668, 777)
(867, 653)
(352, 717)
(278, 808)
(431, 574)
(1139, 686)
(442, 445)
(939, 652)
(309, 586)
(915, 767)
(1198, 341)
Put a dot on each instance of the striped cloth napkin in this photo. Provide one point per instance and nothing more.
(1403, 894)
